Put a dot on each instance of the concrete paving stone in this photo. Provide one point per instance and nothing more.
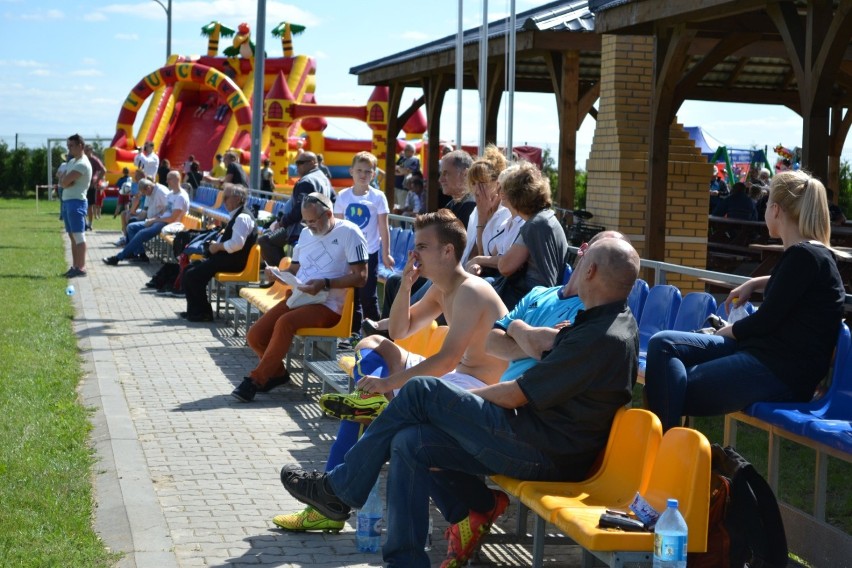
(198, 469)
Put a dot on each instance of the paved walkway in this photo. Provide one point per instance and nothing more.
(187, 475)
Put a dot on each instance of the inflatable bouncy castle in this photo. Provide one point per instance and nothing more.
(201, 106)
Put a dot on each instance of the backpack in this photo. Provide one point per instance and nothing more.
(165, 276)
(745, 526)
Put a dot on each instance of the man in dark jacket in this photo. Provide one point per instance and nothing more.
(288, 226)
(228, 253)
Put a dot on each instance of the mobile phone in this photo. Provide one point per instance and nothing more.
(608, 521)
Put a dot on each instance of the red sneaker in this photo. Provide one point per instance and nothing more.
(465, 537)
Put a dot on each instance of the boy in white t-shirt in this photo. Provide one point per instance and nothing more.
(367, 208)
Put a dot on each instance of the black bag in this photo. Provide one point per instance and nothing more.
(165, 276)
(745, 526)
(186, 238)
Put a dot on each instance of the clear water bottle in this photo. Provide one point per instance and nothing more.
(737, 313)
(670, 535)
(428, 546)
(368, 534)
(69, 291)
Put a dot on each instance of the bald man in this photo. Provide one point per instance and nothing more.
(548, 424)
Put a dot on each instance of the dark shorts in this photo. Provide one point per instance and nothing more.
(74, 215)
(90, 196)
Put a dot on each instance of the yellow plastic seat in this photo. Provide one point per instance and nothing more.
(626, 468)
(681, 471)
(310, 336)
(426, 342)
(249, 275)
(418, 342)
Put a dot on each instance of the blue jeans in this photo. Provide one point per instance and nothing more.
(431, 424)
(137, 235)
(693, 374)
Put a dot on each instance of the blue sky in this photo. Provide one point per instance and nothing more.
(67, 66)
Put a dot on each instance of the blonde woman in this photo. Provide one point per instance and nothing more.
(780, 352)
(487, 224)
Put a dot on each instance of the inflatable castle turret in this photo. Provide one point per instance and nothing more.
(377, 120)
(279, 119)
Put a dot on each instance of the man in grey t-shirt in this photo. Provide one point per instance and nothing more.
(75, 183)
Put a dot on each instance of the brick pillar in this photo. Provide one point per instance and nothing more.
(618, 163)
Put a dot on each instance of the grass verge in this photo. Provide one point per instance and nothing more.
(45, 460)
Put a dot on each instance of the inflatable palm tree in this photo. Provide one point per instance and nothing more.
(212, 32)
(286, 31)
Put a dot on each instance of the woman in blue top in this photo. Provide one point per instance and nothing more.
(779, 353)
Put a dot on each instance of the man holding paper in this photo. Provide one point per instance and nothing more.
(331, 255)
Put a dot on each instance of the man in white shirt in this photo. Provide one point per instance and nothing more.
(229, 252)
(164, 207)
(147, 160)
(331, 255)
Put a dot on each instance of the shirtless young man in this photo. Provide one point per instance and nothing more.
(470, 306)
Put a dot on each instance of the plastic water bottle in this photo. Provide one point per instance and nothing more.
(428, 546)
(670, 535)
(69, 291)
(737, 313)
(368, 535)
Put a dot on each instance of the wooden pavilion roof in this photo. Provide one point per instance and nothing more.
(759, 71)
(556, 26)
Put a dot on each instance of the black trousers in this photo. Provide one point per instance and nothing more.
(198, 274)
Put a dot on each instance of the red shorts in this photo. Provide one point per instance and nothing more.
(99, 197)
(123, 199)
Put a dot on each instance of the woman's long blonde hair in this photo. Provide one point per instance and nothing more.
(803, 198)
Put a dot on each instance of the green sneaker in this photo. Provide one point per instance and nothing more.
(307, 520)
(358, 406)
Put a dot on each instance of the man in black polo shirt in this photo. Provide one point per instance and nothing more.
(548, 424)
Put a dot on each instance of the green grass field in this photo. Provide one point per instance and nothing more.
(45, 461)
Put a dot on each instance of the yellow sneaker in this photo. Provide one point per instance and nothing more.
(308, 519)
(358, 406)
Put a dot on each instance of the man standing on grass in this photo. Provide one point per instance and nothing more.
(75, 182)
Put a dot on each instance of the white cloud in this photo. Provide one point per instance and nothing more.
(90, 61)
(26, 63)
(95, 17)
(127, 37)
(219, 10)
(38, 16)
(41, 73)
(319, 54)
(87, 73)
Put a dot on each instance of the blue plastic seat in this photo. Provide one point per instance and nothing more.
(833, 433)
(255, 201)
(658, 314)
(404, 243)
(279, 207)
(566, 274)
(637, 297)
(383, 270)
(835, 404)
(693, 311)
(205, 196)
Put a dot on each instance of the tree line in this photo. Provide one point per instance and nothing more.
(23, 168)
